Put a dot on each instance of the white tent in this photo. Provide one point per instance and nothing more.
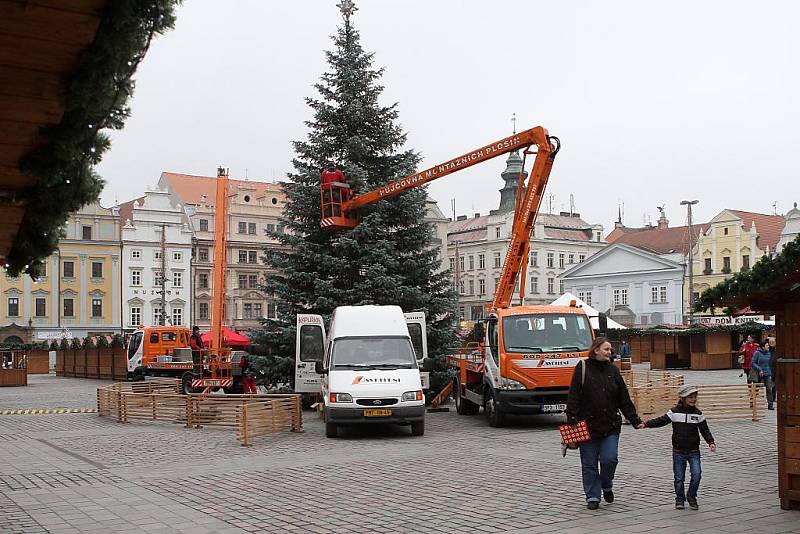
(566, 298)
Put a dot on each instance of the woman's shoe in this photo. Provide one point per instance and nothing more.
(679, 505)
(592, 505)
(608, 496)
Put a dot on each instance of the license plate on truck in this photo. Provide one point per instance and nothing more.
(554, 408)
(377, 413)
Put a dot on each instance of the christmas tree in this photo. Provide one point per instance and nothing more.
(388, 258)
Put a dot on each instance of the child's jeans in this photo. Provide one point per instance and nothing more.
(679, 461)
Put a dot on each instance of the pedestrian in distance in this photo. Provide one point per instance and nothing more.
(761, 363)
(597, 394)
(746, 351)
(625, 350)
(687, 424)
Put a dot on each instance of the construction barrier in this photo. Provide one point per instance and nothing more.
(160, 400)
(734, 401)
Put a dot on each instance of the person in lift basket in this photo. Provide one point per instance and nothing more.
(687, 424)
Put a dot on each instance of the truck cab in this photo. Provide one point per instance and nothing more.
(156, 345)
(369, 371)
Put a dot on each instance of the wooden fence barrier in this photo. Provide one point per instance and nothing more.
(637, 378)
(734, 401)
(161, 400)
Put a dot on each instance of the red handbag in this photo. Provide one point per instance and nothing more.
(574, 434)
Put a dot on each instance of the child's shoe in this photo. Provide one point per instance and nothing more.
(679, 505)
(693, 504)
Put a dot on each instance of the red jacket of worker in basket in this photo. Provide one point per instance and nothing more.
(331, 175)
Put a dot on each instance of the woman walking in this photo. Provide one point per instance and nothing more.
(761, 363)
(597, 394)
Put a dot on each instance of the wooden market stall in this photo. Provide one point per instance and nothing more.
(13, 368)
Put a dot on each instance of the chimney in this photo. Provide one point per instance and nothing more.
(565, 214)
(576, 215)
(663, 223)
(461, 218)
(477, 215)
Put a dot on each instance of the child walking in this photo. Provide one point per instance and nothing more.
(687, 424)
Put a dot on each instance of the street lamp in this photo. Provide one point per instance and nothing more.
(689, 204)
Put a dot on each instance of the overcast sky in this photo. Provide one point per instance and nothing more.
(653, 102)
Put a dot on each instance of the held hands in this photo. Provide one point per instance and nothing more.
(641, 425)
(713, 447)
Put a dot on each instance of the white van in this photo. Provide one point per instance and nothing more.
(310, 349)
(369, 372)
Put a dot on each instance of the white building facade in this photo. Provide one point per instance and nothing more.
(633, 286)
(146, 261)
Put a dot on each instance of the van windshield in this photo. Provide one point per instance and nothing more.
(546, 332)
(133, 344)
(373, 353)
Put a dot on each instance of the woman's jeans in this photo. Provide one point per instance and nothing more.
(604, 452)
(679, 461)
(769, 385)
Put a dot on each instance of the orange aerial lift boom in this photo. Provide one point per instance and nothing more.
(523, 357)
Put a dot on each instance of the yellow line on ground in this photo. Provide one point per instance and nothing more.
(43, 411)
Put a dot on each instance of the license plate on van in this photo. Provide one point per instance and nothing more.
(554, 407)
(377, 413)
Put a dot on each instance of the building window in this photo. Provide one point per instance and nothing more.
(136, 254)
(13, 307)
(471, 263)
(136, 316)
(571, 259)
(707, 270)
(248, 310)
(496, 283)
(599, 236)
(69, 269)
(157, 315)
(461, 313)
(202, 254)
(242, 227)
(496, 260)
(696, 296)
(471, 285)
(481, 261)
(69, 308)
(653, 295)
(550, 260)
(87, 233)
(252, 256)
(726, 264)
(242, 256)
(204, 225)
(156, 254)
(477, 313)
(41, 307)
(202, 310)
(561, 286)
(534, 284)
(551, 285)
(623, 296)
(745, 262)
(272, 310)
(560, 260)
(461, 287)
(202, 281)
(177, 279)
(252, 281)
(534, 259)
(725, 231)
(251, 228)
(461, 263)
(496, 235)
(663, 293)
(481, 287)
(158, 278)
(588, 299)
(242, 281)
(270, 227)
(581, 258)
(257, 311)
(177, 316)
(97, 269)
(452, 264)
(136, 279)
(97, 308)
(177, 256)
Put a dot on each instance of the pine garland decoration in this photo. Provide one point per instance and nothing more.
(96, 98)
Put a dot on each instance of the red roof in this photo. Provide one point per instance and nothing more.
(191, 188)
(660, 240)
(126, 210)
(768, 227)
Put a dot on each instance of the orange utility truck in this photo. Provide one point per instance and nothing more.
(523, 356)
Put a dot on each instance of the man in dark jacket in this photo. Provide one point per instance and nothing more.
(687, 424)
(597, 394)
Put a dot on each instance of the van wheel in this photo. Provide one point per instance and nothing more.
(491, 408)
(331, 430)
(463, 406)
(186, 384)
(417, 428)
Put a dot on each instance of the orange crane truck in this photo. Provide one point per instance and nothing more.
(523, 356)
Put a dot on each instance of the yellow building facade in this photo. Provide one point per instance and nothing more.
(731, 243)
(78, 291)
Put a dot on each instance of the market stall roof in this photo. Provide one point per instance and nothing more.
(232, 339)
(41, 47)
(593, 314)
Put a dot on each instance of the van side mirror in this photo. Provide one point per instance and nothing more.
(319, 369)
(427, 365)
(602, 324)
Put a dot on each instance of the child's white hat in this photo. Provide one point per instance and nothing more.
(687, 390)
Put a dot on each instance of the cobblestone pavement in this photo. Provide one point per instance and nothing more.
(83, 473)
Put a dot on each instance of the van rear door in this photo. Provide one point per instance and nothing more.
(419, 339)
(309, 349)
